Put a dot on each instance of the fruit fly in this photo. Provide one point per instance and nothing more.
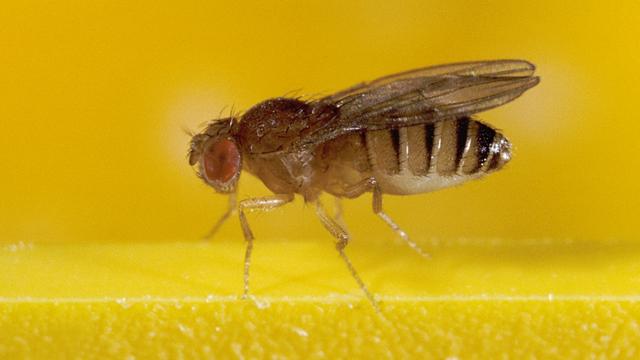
(401, 134)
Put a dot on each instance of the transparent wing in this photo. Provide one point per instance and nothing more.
(425, 95)
(493, 68)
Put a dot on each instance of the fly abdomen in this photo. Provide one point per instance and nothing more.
(487, 149)
(468, 147)
(483, 143)
(426, 157)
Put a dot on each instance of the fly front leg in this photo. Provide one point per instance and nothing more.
(256, 204)
(230, 209)
(342, 237)
(377, 209)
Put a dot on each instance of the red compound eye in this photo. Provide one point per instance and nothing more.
(221, 161)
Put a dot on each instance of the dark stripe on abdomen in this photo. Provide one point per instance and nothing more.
(395, 140)
(484, 140)
(429, 131)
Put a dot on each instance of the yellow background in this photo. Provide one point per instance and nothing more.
(94, 97)
(101, 216)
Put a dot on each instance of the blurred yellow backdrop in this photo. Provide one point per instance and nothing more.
(94, 97)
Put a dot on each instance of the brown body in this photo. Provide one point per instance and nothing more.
(401, 134)
(402, 161)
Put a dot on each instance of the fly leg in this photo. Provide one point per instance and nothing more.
(256, 204)
(370, 184)
(342, 238)
(377, 209)
(230, 209)
(339, 212)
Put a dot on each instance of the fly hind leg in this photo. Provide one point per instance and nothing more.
(342, 237)
(256, 204)
(377, 209)
(339, 213)
(370, 184)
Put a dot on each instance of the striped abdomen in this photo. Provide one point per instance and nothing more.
(427, 157)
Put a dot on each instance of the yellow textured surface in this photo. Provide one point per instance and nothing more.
(93, 99)
(176, 300)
